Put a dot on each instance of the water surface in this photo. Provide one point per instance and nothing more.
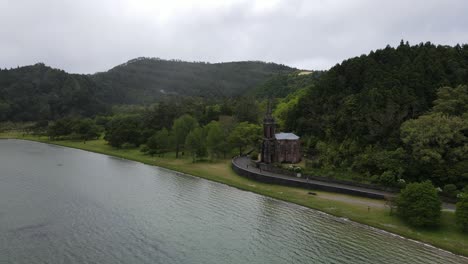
(62, 205)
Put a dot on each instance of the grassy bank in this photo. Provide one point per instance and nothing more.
(354, 208)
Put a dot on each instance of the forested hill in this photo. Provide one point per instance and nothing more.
(284, 84)
(368, 97)
(144, 80)
(39, 92)
(396, 113)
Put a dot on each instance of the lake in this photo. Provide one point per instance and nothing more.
(62, 205)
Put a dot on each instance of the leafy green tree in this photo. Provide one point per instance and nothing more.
(247, 110)
(196, 143)
(437, 141)
(39, 127)
(181, 128)
(60, 128)
(4, 110)
(85, 129)
(452, 101)
(159, 143)
(450, 190)
(212, 112)
(124, 130)
(245, 135)
(388, 165)
(215, 139)
(419, 204)
(436, 138)
(461, 212)
(286, 107)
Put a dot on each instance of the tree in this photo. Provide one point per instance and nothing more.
(435, 138)
(247, 110)
(452, 101)
(244, 135)
(195, 143)
(181, 128)
(419, 204)
(438, 145)
(159, 143)
(60, 128)
(461, 213)
(215, 139)
(85, 129)
(124, 129)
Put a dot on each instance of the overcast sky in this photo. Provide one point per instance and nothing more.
(86, 36)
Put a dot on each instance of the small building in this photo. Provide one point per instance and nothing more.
(278, 147)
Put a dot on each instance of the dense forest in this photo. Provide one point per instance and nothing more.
(396, 114)
(144, 80)
(39, 92)
(284, 84)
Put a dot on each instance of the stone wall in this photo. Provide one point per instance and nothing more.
(274, 169)
(299, 183)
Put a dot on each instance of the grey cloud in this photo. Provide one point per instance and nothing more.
(88, 36)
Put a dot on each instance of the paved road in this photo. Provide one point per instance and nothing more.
(246, 164)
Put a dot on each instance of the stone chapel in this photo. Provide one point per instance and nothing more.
(278, 147)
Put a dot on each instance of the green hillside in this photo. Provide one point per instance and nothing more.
(284, 84)
(39, 92)
(145, 80)
(396, 113)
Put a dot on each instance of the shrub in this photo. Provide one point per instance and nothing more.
(401, 183)
(419, 204)
(450, 190)
(387, 178)
(461, 214)
(254, 155)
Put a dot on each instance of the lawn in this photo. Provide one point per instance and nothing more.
(363, 210)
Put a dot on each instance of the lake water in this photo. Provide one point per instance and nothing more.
(61, 205)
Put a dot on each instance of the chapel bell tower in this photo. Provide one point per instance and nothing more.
(268, 146)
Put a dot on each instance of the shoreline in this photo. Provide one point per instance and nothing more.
(259, 188)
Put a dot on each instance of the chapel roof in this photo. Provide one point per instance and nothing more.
(286, 136)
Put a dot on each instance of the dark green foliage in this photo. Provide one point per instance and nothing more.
(461, 213)
(376, 161)
(355, 111)
(159, 143)
(144, 80)
(450, 190)
(124, 129)
(437, 144)
(181, 128)
(368, 97)
(60, 128)
(245, 135)
(39, 127)
(71, 128)
(196, 143)
(39, 92)
(419, 204)
(86, 129)
(247, 110)
(452, 101)
(216, 142)
(281, 85)
(254, 155)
